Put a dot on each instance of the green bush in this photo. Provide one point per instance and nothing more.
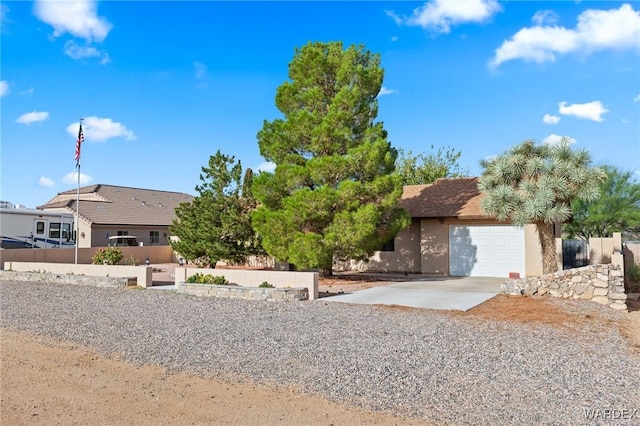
(266, 285)
(131, 261)
(107, 256)
(199, 278)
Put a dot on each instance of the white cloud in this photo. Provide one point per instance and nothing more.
(4, 10)
(625, 121)
(589, 111)
(29, 91)
(100, 129)
(33, 117)
(386, 91)
(394, 38)
(78, 52)
(45, 181)
(78, 18)
(615, 29)
(75, 51)
(490, 157)
(550, 119)
(4, 88)
(440, 15)
(200, 70)
(545, 17)
(267, 166)
(72, 178)
(637, 98)
(554, 139)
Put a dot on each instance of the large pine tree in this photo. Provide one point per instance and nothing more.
(333, 194)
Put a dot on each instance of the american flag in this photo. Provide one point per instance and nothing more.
(78, 143)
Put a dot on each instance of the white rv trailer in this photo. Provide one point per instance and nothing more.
(33, 228)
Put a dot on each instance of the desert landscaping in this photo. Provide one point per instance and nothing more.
(148, 356)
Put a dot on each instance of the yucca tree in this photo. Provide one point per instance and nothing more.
(533, 183)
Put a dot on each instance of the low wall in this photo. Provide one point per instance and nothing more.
(603, 284)
(156, 254)
(113, 282)
(143, 274)
(252, 278)
(251, 293)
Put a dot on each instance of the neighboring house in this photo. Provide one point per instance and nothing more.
(450, 235)
(108, 210)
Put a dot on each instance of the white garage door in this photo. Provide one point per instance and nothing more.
(486, 250)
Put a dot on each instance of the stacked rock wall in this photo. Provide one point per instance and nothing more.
(602, 284)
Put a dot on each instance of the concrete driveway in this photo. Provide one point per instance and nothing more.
(458, 293)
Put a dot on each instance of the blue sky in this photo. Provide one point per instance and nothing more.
(163, 85)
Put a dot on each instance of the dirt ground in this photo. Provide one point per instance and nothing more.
(52, 383)
(48, 382)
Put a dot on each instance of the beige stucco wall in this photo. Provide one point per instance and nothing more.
(156, 254)
(252, 278)
(434, 251)
(404, 258)
(424, 248)
(533, 252)
(143, 274)
(435, 245)
(601, 250)
(99, 232)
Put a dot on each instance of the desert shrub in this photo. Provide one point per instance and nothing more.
(107, 256)
(131, 261)
(199, 278)
(266, 285)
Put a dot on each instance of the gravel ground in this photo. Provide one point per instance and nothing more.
(442, 368)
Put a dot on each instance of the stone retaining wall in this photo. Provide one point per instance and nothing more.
(143, 273)
(252, 278)
(252, 293)
(112, 282)
(602, 284)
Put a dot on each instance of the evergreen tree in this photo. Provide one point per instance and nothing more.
(216, 224)
(333, 194)
(536, 184)
(617, 209)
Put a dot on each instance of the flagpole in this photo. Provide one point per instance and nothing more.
(78, 145)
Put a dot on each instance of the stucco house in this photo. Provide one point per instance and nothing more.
(450, 235)
(109, 210)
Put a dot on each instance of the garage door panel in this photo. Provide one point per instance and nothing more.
(486, 250)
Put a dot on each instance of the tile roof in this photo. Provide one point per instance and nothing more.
(457, 197)
(120, 205)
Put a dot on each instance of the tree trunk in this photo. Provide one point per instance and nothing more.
(548, 244)
(326, 272)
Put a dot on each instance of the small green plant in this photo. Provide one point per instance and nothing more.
(132, 261)
(107, 256)
(199, 278)
(266, 285)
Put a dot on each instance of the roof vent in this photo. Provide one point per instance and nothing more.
(144, 203)
(160, 205)
(133, 198)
